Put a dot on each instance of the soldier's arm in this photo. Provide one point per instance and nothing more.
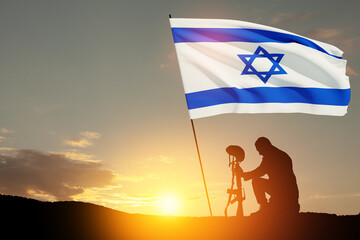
(256, 173)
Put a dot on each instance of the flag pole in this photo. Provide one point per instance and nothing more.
(201, 167)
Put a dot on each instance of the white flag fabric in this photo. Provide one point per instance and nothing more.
(230, 66)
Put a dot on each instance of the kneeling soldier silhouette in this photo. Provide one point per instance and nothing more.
(281, 185)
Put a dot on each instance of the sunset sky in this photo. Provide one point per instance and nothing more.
(92, 108)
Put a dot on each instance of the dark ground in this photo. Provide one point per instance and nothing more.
(23, 218)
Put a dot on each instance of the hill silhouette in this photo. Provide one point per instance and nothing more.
(24, 218)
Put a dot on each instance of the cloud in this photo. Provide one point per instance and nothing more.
(290, 17)
(84, 141)
(213, 183)
(350, 44)
(135, 178)
(135, 200)
(90, 135)
(4, 130)
(32, 173)
(77, 156)
(194, 198)
(169, 60)
(162, 159)
(163, 66)
(115, 200)
(322, 196)
(351, 72)
(324, 33)
(6, 149)
(78, 142)
(337, 37)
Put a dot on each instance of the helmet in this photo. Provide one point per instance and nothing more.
(236, 151)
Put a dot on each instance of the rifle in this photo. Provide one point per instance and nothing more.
(236, 155)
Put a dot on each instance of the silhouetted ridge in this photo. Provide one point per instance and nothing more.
(25, 218)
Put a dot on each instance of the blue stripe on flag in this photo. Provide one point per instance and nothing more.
(320, 96)
(240, 35)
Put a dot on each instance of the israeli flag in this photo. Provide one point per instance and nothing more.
(232, 66)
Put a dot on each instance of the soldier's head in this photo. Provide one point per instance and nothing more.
(263, 145)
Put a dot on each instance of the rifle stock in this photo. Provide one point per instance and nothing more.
(239, 192)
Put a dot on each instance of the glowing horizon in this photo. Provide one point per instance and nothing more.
(93, 109)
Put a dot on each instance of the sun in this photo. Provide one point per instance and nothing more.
(169, 204)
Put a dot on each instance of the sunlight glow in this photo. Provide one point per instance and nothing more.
(169, 204)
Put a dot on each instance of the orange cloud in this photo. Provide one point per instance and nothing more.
(134, 178)
(169, 60)
(4, 130)
(78, 156)
(85, 140)
(90, 135)
(322, 196)
(32, 173)
(290, 17)
(351, 72)
(162, 158)
(350, 43)
(78, 142)
(6, 149)
(323, 33)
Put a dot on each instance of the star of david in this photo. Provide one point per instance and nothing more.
(260, 52)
